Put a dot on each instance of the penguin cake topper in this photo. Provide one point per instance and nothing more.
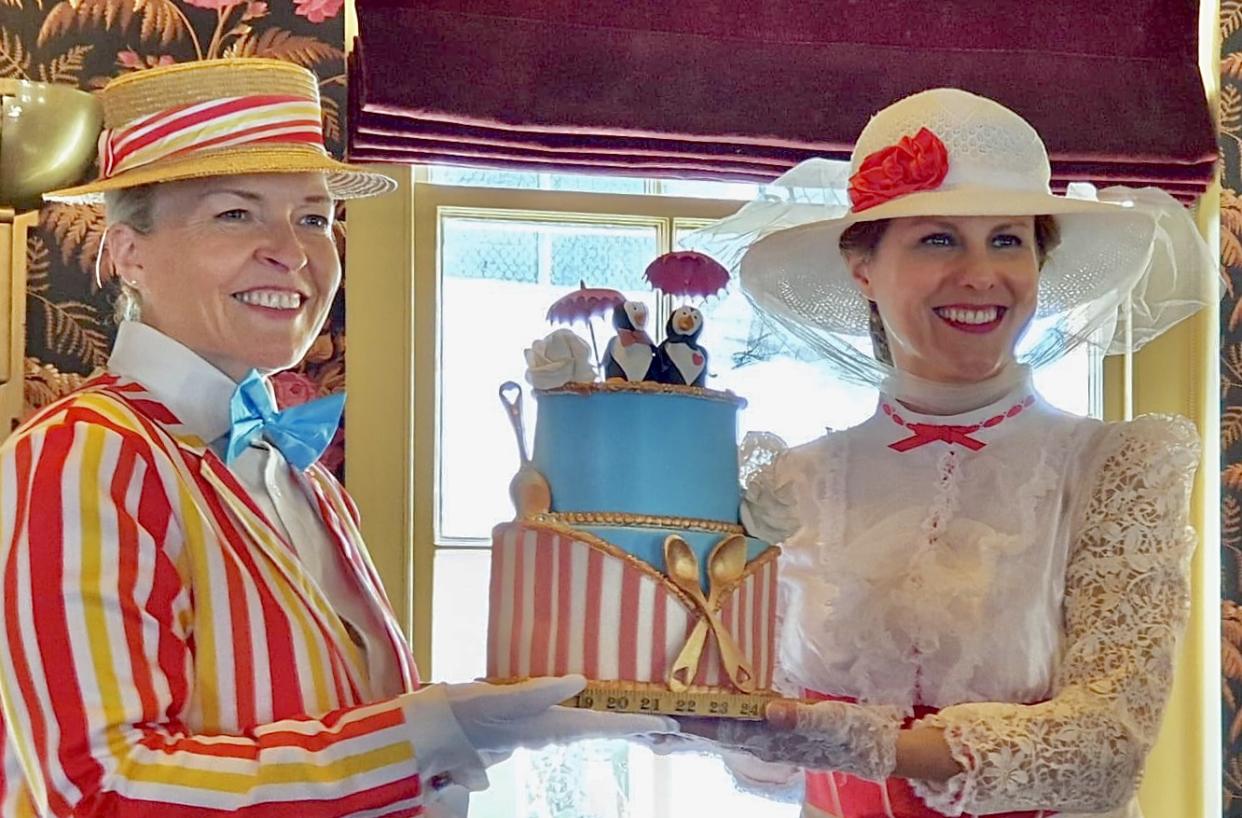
(681, 360)
(631, 354)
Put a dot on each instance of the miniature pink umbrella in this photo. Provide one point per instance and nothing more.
(687, 274)
(583, 304)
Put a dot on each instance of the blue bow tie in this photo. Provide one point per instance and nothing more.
(301, 433)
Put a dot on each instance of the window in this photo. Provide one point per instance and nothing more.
(507, 245)
(585, 183)
(498, 274)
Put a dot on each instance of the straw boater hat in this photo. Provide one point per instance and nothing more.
(946, 152)
(216, 118)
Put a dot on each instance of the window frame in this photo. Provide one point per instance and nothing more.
(446, 208)
(396, 492)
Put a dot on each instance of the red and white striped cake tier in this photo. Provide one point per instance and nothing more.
(564, 601)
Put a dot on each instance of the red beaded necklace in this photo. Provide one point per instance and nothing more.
(924, 433)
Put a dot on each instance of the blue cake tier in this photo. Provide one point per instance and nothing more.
(642, 449)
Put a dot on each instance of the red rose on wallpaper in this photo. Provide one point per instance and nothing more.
(293, 389)
(318, 10)
(914, 163)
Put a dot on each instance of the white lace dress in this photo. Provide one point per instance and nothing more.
(1029, 578)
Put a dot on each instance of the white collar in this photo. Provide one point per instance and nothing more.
(194, 390)
(946, 400)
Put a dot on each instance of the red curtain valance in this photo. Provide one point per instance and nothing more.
(719, 89)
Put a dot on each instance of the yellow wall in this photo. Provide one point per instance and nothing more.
(379, 412)
(1179, 373)
(1176, 373)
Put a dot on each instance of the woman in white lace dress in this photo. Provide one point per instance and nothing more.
(986, 590)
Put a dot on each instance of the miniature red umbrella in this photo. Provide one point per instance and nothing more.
(583, 304)
(687, 274)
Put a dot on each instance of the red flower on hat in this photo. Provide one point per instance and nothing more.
(914, 163)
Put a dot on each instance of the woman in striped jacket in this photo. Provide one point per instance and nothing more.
(191, 621)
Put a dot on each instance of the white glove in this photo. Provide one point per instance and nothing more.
(851, 738)
(498, 719)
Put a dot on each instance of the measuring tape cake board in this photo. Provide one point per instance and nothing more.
(623, 697)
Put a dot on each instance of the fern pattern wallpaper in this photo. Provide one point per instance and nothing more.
(87, 42)
(1230, 125)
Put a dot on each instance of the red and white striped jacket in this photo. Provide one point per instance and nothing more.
(166, 652)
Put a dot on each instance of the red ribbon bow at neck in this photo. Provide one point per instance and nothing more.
(923, 433)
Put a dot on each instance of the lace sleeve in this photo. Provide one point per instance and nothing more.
(1127, 598)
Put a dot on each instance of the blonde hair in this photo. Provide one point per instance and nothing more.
(134, 207)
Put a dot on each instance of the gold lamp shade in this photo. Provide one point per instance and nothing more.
(48, 136)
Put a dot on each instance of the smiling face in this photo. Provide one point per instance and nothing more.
(240, 269)
(955, 293)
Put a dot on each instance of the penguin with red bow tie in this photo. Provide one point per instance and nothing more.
(682, 360)
(630, 354)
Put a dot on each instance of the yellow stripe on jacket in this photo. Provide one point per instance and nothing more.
(165, 647)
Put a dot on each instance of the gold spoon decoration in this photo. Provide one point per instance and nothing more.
(528, 490)
(725, 565)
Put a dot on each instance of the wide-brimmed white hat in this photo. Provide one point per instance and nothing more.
(946, 152)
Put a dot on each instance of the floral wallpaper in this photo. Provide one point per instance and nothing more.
(87, 42)
(1230, 130)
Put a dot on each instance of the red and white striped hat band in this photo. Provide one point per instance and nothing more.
(216, 123)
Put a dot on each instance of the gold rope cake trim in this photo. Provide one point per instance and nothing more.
(600, 544)
(645, 388)
(622, 518)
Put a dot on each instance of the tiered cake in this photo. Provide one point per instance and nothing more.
(635, 570)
